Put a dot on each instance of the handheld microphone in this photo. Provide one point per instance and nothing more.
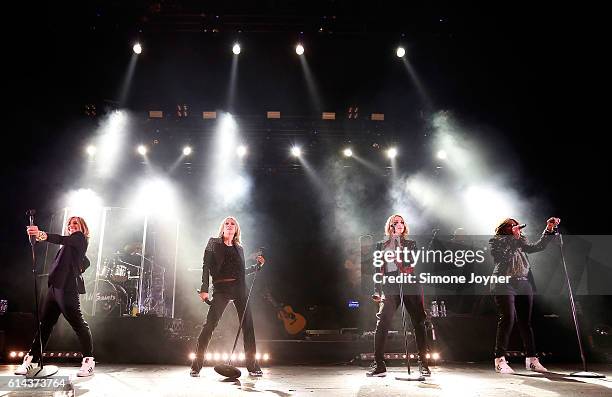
(522, 225)
(261, 252)
(207, 301)
(30, 213)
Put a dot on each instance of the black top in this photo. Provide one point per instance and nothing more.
(232, 263)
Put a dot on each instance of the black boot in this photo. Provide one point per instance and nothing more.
(196, 366)
(380, 369)
(254, 369)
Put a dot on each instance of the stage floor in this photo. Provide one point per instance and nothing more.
(447, 380)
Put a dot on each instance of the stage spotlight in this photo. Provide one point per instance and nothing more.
(441, 154)
(137, 48)
(241, 151)
(241, 357)
(13, 354)
(20, 354)
(217, 356)
(412, 356)
(299, 49)
(391, 153)
(186, 151)
(257, 356)
(91, 150)
(347, 152)
(142, 149)
(428, 356)
(400, 52)
(236, 49)
(266, 357)
(224, 356)
(209, 356)
(435, 356)
(192, 356)
(296, 151)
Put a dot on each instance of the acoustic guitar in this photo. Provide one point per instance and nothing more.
(293, 322)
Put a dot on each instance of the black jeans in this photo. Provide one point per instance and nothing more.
(414, 306)
(66, 302)
(222, 295)
(514, 300)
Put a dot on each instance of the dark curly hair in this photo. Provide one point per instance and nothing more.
(505, 227)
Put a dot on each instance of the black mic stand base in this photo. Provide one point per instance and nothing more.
(414, 376)
(586, 374)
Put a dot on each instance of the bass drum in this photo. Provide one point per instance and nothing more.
(111, 299)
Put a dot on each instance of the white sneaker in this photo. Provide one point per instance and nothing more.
(87, 367)
(25, 366)
(501, 366)
(533, 364)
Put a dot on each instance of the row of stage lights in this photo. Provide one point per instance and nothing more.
(242, 151)
(399, 356)
(210, 357)
(400, 51)
(20, 354)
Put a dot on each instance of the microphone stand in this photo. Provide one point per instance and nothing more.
(41, 371)
(584, 373)
(410, 376)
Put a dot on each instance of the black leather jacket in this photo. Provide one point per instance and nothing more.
(214, 256)
(504, 247)
(381, 246)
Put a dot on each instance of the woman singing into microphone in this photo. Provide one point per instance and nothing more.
(515, 299)
(396, 237)
(224, 262)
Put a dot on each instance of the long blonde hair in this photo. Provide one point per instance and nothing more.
(388, 232)
(82, 224)
(237, 239)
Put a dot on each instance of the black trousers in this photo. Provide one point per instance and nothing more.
(222, 295)
(66, 302)
(414, 307)
(514, 300)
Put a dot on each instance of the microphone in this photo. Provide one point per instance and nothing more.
(207, 301)
(30, 213)
(261, 252)
(522, 225)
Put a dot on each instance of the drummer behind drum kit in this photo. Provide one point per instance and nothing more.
(118, 279)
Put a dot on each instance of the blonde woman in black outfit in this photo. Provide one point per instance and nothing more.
(224, 262)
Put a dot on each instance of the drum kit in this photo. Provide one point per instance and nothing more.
(119, 284)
